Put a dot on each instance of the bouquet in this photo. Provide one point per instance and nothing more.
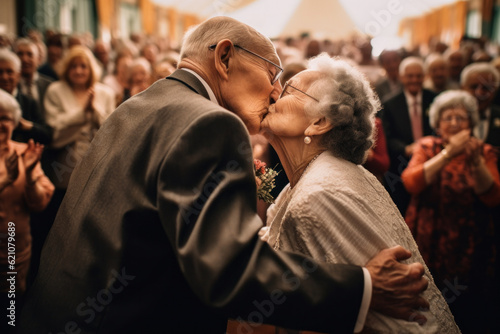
(265, 181)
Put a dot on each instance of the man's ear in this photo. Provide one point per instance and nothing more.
(318, 126)
(224, 51)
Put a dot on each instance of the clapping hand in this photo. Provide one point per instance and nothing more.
(473, 152)
(458, 142)
(89, 108)
(12, 168)
(397, 286)
(31, 156)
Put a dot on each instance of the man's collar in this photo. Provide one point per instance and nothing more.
(33, 80)
(209, 90)
(411, 98)
(486, 114)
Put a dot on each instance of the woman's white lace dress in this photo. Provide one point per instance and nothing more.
(340, 213)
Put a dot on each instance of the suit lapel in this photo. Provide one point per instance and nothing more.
(190, 81)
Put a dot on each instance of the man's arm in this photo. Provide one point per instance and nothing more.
(208, 208)
(212, 200)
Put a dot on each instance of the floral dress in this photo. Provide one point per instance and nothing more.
(454, 227)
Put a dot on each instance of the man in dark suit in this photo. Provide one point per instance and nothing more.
(158, 231)
(32, 123)
(31, 83)
(405, 119)
(482, 80)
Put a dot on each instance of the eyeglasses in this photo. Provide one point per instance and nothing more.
(459, 119)
(279, 70)
(287, 84)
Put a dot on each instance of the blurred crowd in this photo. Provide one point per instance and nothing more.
(67, 85)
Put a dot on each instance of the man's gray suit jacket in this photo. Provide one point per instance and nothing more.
(158, 233)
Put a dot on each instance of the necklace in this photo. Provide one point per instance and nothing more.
(284, 205)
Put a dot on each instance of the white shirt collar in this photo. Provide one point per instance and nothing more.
(410, 98)
(207, 87)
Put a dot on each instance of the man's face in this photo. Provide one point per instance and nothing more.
(29, 59)
(54, 53)
(413, 78)
(390, 64)
(438, 71)
(249, 90)
(101, 53)
(482, 87)
(9, 78)
(455, 63)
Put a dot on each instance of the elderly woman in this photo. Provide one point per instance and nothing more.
(334, 210)
(23, 188)
(76, 106)
(454, 182)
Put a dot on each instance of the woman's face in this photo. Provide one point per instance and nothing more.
(286, 118)
(452, 121)
(6, 126)
(79, 72)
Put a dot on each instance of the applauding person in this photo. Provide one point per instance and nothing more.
(23, 188)
(76, 106)
(454, 183)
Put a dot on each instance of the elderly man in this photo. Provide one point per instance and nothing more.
(159, 232)
(32, 124)
(406, 120)
(32, 83)
(482, 80)
(437, 72)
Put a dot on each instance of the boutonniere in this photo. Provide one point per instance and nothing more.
(265, 181)
(496, 122)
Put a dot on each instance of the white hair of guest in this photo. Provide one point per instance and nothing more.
(347, 100)
(143, 62)
(433, 58)
(10, 57)
(453, 99)
(27, 42)
(9, 104)
(479, 68)
(410, 61)
(196, 41)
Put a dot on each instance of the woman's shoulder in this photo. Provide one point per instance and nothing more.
(57, 86)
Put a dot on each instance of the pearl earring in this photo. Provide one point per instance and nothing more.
(307, 140)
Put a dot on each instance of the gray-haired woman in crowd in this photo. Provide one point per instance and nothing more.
(454, 183)
(334, 210)
(23, 188)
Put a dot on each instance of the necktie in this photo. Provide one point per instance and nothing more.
(416, 121)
